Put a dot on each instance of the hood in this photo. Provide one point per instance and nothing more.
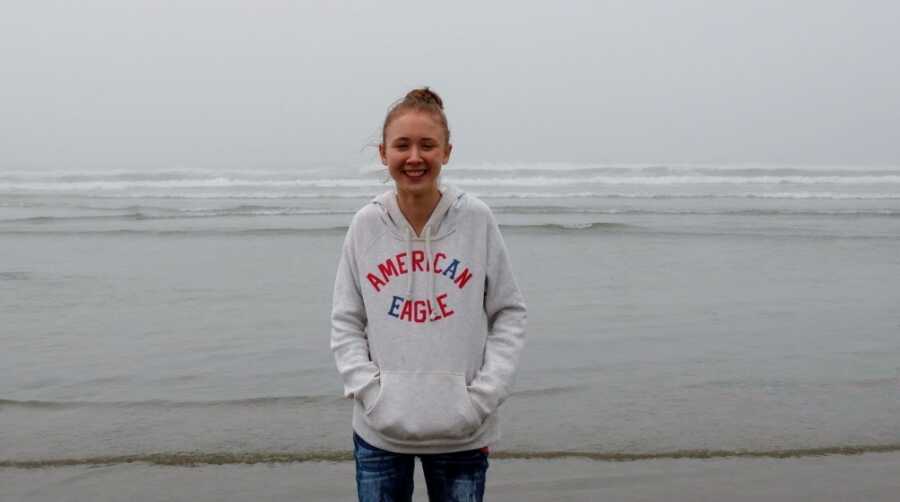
(441, 223)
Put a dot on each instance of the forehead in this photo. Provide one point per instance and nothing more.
(414, 124)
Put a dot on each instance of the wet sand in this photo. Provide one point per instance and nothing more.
(870, 477)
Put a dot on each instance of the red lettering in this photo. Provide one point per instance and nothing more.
(377, 283)
(401, 262)
(419, 309)
(432, 315)
(463, 278)
(417, 258)
(406, 314)
(438, 256)
(387, 270)
(446, 312)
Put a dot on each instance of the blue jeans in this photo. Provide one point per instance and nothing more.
(383, 476)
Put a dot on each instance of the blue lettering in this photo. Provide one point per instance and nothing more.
(395, 306)
(451, 270)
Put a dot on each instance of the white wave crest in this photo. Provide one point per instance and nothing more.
(528, 181)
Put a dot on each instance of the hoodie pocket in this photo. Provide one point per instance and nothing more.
(419, 406)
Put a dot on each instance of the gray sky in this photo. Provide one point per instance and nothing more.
(224, 83)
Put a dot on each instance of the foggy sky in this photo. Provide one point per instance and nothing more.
(152, 83)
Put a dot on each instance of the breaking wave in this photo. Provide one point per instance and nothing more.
(521, 181)
(500, 209)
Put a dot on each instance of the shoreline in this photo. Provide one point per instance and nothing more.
(196, 459)
(867, 476)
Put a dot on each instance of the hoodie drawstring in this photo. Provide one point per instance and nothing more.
(428, 265)
(409, 275)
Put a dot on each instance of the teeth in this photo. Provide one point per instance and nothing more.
(415, 174)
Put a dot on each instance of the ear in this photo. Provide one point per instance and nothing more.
(381, 153)
(447, 153)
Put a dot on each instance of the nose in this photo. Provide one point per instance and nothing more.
(414, 156)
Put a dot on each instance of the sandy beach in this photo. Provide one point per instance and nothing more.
(870, 477)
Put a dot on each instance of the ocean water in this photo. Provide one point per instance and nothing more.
(182, 315)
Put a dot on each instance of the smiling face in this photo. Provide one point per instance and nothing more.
(414, 149)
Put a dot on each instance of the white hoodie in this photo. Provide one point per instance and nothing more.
(426, 330)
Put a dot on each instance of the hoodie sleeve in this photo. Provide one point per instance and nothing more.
(506, 316)
(349, 342)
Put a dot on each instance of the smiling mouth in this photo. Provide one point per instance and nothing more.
(415, 173)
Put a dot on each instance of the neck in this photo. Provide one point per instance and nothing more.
(417, 208)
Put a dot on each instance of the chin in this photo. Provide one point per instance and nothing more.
(417, 188)
(426, 184)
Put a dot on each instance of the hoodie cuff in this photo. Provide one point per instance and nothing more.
(368, 394)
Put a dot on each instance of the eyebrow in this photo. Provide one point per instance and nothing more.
(406, 138)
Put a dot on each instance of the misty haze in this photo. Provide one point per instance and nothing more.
(701, 202)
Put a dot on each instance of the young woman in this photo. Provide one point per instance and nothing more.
(427, 321)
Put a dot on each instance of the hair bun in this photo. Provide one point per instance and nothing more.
(424, 96)
(419, 100)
